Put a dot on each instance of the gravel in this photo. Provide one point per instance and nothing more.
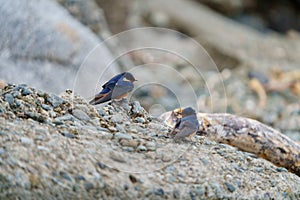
(71, 155)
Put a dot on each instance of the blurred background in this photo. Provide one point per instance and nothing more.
(235, 56)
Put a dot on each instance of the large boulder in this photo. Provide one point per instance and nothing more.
(43, 45)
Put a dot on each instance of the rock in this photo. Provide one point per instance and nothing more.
(281, 169)
(176, 194)
(128, 149)
(36, 116)
(101, 112)
(79, 114)
(129, 143)
(117, 118)
(97, 162)
(101, 165)
(2, 84)
(140, 120)
(136, 109)
(46, 107)
(42, 148)
(54, 66)
(120, 128)
(9, 98)
(65, 175)
(117, 157)
(112, 129)
(34, 181)
(54, 100)
(106, 135)
(159, 192)
(68, 135)
(26, 141)
(1, 151)
(122, 136)
(89, 14)
(67, 117)
(141, 148)
(88, 186)
(230, 186)
(151, 146)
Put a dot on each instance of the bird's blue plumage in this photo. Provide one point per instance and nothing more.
(115, 88)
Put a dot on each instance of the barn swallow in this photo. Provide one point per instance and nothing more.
(186, 126)
(117, 87)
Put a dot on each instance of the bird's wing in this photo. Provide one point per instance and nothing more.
(122, 89)
(113, 81)
(184, 133)
(189, 121)
(186, 128)
(101, 98)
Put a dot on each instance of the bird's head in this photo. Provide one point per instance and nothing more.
(188, 111)
(128, 76)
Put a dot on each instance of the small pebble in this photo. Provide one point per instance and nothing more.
(88, 186)
(112, 129)
(128, 149)
(1, 151)
(25, 91)
(54, 100)
(27, 141)
(230, 186)
(101, 165)
(133, 130)
(141, 148)
(199, 190)
(79, 114)
(151, 146)
(159, 192)
(46, 107)
(176, 194)
(140, 120)
(129, 143)
(2, 84)
(122, 136)
(120, 128)
(101, 112)
(126, 187)
(42, 148)
(79, 178)
(117, 118)
(19, 102)
(66, 117)
(106, 135)
(68, 135)
(117, 157)
(192, 195)
(137, 109)
(259, 169)
(9, 98)
(65, 175)
(281, 169)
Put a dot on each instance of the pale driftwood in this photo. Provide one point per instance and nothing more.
(228, 42)
(248, 135)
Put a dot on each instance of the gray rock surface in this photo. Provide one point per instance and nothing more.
(80, 159)
(46, 50)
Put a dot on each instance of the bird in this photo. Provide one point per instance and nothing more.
(187, 125)
(117, 87)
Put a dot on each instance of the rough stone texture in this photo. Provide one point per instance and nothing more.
(81, 160)
(46, 50)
